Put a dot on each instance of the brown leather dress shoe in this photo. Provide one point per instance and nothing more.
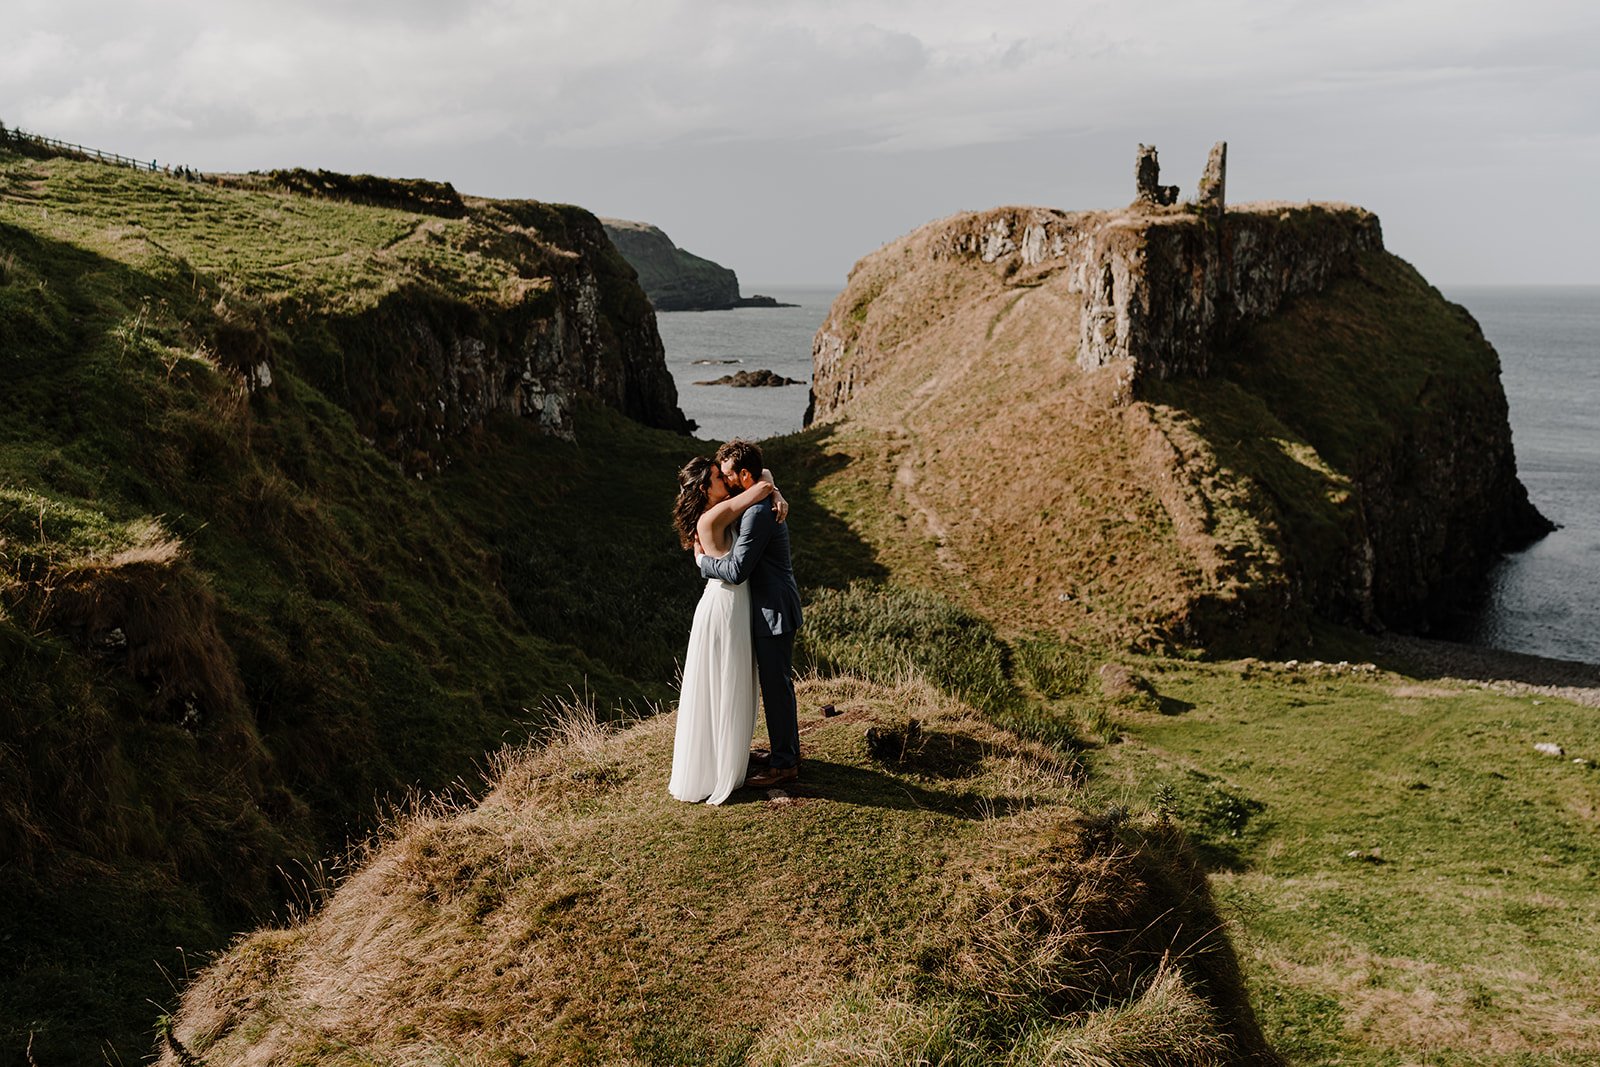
(773, 776)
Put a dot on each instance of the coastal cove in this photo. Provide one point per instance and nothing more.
(1542, 601)
(330, 534)
(745, 339)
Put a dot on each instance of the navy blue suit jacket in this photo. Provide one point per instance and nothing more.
(760, 556)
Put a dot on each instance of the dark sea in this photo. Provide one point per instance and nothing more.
(705, 345)
(1545, 600)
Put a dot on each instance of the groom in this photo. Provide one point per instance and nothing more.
(760, 555)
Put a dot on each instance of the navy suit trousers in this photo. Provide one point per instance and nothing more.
(775, 671)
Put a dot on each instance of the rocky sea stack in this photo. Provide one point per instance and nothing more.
(1235, 417)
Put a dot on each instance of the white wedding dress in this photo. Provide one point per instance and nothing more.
(717, 707)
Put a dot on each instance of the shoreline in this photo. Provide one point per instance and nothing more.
(1517, 673)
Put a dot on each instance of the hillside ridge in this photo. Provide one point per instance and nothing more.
(676, 279)
(285, 473)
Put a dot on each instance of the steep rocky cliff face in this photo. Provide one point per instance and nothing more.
(424, 364)
(675, 280)
(1263, 418)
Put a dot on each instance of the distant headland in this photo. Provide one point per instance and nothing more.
(676, 280)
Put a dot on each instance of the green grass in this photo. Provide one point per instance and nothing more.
(232, 624)
(1464, 927)
(889, 632)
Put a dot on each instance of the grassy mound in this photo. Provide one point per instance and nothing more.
(956, 902)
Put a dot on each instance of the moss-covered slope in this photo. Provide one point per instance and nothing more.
(287, 526)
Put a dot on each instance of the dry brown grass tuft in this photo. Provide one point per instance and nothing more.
(580, 914)
(1168, 1023)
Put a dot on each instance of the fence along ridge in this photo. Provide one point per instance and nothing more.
(17, 133)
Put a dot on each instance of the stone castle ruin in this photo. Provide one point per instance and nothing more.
(1163, 283)
(1149, 192)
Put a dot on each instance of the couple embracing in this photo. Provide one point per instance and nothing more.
(731, 514)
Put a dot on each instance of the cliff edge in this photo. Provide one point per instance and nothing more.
(286, 484)
(1179, 423)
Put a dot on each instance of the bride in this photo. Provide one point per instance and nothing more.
(717, 705)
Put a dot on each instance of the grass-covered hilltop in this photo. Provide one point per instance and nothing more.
(1166, 425)
(340, 616)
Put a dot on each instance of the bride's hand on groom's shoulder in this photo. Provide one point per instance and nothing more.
(780, 506)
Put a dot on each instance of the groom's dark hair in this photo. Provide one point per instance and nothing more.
(745, 456)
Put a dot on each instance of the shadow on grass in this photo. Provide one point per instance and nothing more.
(1173, 706)
(847, 783)
(827, 552)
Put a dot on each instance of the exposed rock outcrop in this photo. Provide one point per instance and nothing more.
(424, 365)
(1321, 430)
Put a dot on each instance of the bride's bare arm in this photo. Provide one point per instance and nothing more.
(780, 506)
(716, 518)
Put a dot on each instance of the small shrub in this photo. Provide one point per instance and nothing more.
(886, 632)
(1052, 668)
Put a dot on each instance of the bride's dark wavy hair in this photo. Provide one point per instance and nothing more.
(694, 491)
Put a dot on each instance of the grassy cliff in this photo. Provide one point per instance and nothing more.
(240, 617)
(1334, 448)
(240, 608)
(675, 280)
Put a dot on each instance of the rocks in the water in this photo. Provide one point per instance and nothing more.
(759, 301)
(748, 378)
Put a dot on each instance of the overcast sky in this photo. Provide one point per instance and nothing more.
(788, 140)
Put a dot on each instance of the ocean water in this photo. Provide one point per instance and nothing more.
(704, 345)
(1545, 600)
